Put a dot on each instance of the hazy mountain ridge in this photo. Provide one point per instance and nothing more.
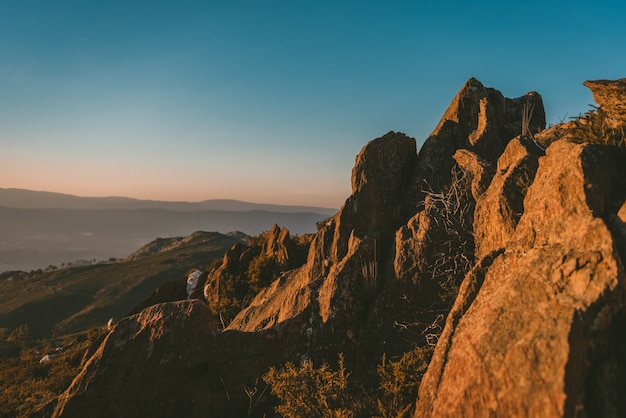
(30, 199)
(33, 238)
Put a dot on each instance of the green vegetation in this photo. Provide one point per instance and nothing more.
(308, 391)
(28, 383)
(73, 299)
(238, 283)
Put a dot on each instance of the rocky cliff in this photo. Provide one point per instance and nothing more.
(517, 241)
(538, 326)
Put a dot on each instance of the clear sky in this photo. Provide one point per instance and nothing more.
(267, 101)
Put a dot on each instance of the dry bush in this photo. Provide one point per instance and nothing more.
(452, 245)
(594, 127)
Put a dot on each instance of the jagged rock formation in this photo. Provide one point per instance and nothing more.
(533, 244)
(275, 254)
(500, 207)
(480, 120)
(279, 246)
(538, 326)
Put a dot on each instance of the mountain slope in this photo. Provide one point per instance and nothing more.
(77, 298)
(36, 238)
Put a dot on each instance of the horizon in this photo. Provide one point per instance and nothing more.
(164, 201)
(266, 102)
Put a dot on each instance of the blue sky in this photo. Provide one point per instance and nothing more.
(266, 101)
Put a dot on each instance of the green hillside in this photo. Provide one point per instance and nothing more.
(62, 301)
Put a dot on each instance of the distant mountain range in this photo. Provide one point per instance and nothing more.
(38, 229)
(30, 199)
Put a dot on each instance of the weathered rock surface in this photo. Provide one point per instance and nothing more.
(481, 171)
(538, 327)
(276, 246)
(611, 96)
(500, 207)
(231, 265)
(279, 246)
(152, 364)
(480, 120)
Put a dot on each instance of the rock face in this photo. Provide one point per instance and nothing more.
(480, 120)
(532, 242)
(279, 246)
(538, 327)
(500, 207)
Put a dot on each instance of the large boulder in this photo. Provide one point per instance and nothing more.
(152, 364)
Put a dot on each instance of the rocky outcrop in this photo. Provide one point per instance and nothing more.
(610, 95)
(152, 364)
(278, 245)
(538, 326)
(334, 288)
(532, 239)
(500, 207)
(234, 262)
(480, 120)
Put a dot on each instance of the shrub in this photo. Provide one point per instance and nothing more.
(400, 380)
(307, 391)
(594, 127)
(261, 272)
(452, 211)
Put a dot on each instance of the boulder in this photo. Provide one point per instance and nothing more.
(151, 364)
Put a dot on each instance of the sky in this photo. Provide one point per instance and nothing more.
(267, 101)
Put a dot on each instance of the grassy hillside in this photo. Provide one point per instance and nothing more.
(62, 301)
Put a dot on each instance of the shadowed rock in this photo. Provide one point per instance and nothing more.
(478, 119)
(140, 363)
